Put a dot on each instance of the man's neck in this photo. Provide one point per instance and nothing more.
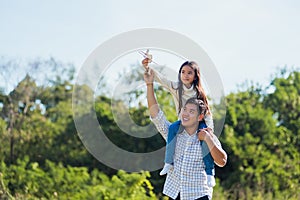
(191, 130)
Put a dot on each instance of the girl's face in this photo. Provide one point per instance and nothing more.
(187, 76)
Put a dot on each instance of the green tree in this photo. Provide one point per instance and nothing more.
(16, 108)
(285, 100)
(22, 101)
(263, 154)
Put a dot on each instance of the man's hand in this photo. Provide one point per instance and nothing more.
(218, 154)
(204, 133)
(149, 77)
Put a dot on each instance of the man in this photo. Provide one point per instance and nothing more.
(188, 179)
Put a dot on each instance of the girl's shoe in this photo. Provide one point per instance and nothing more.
(211, 182)
(166, 169)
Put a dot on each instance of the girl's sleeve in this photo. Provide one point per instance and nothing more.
(160, 78)
(209, 121)
(171, 86)
(163, 80)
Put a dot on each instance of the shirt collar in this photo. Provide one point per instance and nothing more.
(185, 132)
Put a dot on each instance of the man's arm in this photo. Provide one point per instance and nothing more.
(214, 145)
(151, 99)
(157, 116)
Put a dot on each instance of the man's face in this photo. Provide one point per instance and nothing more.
(190, 116)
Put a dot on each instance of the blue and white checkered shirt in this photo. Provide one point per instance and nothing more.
(188, 175)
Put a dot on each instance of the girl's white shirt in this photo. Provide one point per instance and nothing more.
(187, 93)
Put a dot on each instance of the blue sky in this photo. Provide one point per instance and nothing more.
(247, 40)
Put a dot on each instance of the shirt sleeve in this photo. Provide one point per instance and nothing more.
(161, 124)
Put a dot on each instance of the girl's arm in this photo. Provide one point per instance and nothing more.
(171, 86)
(161, 79)
(209, 121)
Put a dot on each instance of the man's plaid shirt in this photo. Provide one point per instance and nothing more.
(188, 175)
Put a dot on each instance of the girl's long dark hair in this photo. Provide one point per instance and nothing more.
(196, 83)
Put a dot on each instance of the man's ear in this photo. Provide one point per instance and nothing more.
(200, 117)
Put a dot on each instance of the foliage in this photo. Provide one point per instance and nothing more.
(27, 180)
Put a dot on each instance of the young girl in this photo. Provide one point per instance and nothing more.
(187, 86)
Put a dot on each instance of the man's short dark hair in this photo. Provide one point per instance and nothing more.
(201, 106)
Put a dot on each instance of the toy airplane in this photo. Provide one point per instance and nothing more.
(147, 55)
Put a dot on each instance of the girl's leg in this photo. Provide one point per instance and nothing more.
(171, 142)
(209, 165)
(170, 147)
